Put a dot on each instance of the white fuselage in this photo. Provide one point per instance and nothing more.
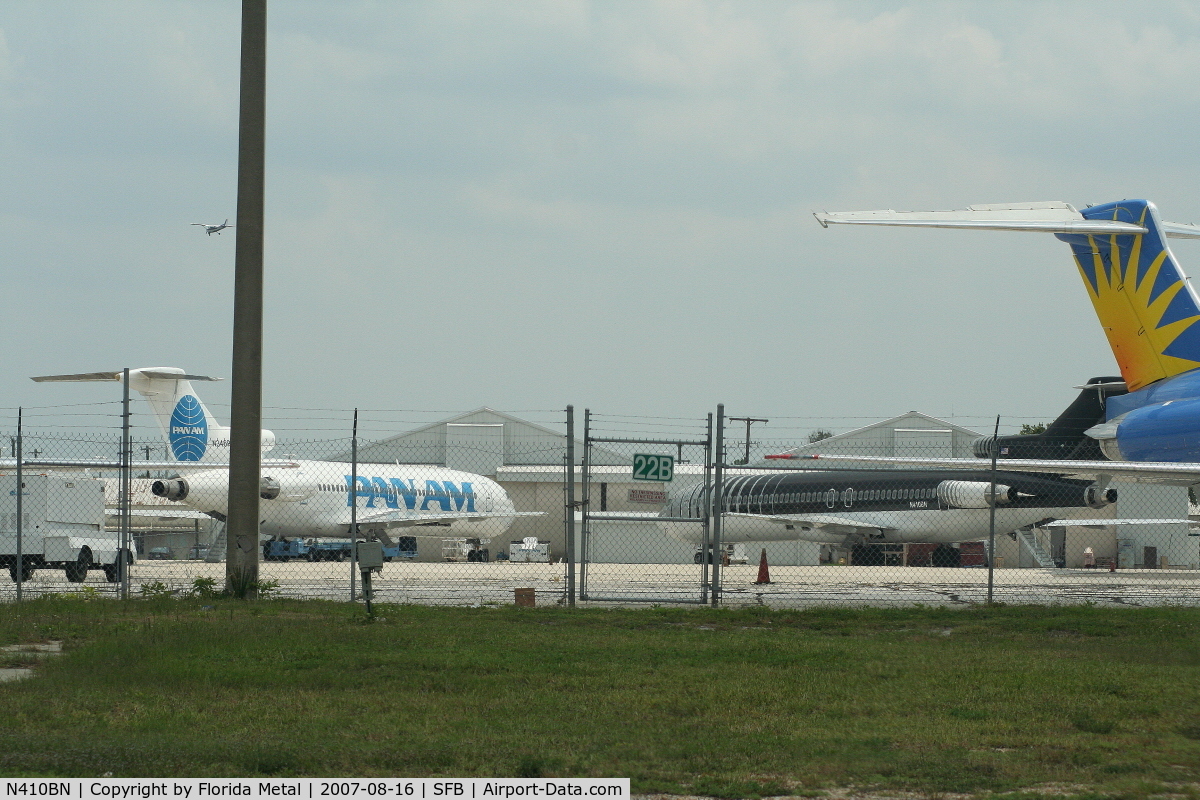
(314, 499)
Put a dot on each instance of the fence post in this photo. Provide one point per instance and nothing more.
(585, 490)
(992, 512)
(20, 571)
(569, 512)
(706, 510)
(353, 502)
(718, 485)
(124, 486)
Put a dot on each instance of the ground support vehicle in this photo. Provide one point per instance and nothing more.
(62, 528)
(465, 549)
(530, 549)
(733, 553)
(330, 549)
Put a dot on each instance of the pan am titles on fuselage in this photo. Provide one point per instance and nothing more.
(847, 507)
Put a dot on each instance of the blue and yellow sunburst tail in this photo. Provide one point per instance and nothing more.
(1144, 301)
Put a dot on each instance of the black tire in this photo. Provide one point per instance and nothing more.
(77, 571)
(340, 556)
(698, 558)
(26, 573)
(112, 572)
(312, 555)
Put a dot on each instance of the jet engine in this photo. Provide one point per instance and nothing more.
(175, 489)
(974, 494)
(268, 488)
(1096, 496)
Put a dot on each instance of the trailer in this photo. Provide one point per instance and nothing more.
(530, 549)
(331, 549)
(62, 527)
(462, 548)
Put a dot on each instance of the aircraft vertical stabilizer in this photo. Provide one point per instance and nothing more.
(1146, 306)
(190, 430)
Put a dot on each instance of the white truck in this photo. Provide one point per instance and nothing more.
(62, 527)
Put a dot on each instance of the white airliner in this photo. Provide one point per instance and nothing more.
(211, 229)
(300, 497)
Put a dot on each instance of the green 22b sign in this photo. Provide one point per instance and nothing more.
(653, 468)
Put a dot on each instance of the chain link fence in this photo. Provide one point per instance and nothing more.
(467, 512)
(479, 509)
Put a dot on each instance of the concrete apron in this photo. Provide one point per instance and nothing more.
(47, 650)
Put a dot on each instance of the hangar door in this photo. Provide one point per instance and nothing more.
(924, 442)
(475, 447)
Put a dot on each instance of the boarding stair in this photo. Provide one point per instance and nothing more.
(1034, 545)
(216, 550)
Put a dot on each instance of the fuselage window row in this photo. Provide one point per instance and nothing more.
(845, 496)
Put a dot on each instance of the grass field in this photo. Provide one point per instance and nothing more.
(1092, 702)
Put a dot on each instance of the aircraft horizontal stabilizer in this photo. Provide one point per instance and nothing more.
(1044, 217)
(73, 465)
(116, 376)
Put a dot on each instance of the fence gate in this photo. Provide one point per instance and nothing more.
(627, 549)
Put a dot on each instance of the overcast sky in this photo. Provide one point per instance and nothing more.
(525, 205)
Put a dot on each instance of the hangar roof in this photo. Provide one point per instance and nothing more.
(911, 434)
(479, 441)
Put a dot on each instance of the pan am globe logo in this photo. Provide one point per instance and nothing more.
(189, 430)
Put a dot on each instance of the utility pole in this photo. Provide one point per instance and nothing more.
(749, 421)
(245, 418)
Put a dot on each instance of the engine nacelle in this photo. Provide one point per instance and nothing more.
(983, 446)
(1096, 497)
(268, 488)
(174, 489)
(973, 494)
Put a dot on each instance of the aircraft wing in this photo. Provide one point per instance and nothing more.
(403, 518)
(1101, 523)
(1046, 217)
(829, 523)
(164, 513)
(1163, 472)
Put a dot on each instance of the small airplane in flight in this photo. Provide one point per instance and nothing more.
(211, 229)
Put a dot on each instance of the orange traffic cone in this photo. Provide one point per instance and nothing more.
(764, 576)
